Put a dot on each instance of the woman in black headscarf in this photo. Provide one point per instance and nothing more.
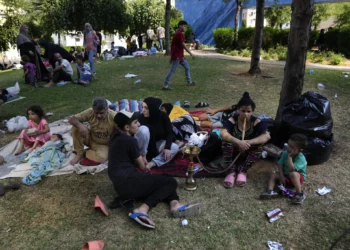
(155, 134)
(27, 47)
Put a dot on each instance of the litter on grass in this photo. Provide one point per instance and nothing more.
(286, 191)
(274, 245)
(323, 191)
(184, 222)
(130, 75)
(274, 215)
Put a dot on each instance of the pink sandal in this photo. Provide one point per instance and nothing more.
(241, 180)
(229, 181)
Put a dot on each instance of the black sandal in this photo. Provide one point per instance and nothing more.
(187, 104)
(202, 105)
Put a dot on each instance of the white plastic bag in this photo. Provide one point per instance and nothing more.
(17, 124)
(14, 90)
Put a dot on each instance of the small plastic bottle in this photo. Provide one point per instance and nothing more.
(137, 81)
(336, 96)
(285, 146)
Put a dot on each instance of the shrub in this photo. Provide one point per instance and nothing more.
(343, 41)
(265, 55)
(331, 39)
(314, 34)
(223, 37)
(335, 59)
(234, 53)
(281, 37)
(246, 37)
(268, 38)
(246, 53)
(310, 55)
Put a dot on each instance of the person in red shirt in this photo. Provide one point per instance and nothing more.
(177, 56)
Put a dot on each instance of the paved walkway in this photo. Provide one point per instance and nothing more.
(211, 53)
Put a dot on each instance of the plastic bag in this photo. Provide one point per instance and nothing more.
(309, 115)
(17, 124)
(318, 150)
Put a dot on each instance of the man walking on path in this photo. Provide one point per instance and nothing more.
(177, 56)
(161, 36)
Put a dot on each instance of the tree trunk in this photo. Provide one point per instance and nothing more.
(238, 10)
(259, 29)
(59, 38)
(294, 70)
(167, 26)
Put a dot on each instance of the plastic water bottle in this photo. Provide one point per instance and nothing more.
(336, 96)
(137, 81)
(285, 146)
(311, 72)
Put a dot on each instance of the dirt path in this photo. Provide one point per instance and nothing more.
(211, 53)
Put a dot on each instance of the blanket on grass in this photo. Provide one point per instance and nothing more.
(15, 168)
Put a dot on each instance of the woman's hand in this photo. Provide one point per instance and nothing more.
(84, 131)
(167, 154)
(243, 146)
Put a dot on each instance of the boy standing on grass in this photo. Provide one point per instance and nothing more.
(292, 169)
(177, 56)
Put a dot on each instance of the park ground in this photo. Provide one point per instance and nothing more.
(58, 213)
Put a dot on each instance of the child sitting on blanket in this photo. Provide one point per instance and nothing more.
(84, 72)
(45, 160)
(292, 169)
(38, 131)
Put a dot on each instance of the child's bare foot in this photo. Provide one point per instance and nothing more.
(76, 159)
(20, 151)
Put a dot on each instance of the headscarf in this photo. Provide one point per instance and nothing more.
(22, 36)
(154, 111)
(86, 32)
(168, 107)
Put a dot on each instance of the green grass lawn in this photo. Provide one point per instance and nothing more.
(58, 213)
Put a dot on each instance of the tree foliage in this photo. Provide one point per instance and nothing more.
(321, 13)
(145, 13)
(15, 15)
(277, 16)
(343, 18)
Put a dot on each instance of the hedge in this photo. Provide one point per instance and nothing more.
(336, 40)
(223, 37)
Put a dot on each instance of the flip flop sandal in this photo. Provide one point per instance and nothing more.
(188, 210)
(187, 104)
(229, 181)
(242, 178)
(202, 105)
(135, 217)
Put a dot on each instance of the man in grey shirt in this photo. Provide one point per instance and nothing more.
(62, 72)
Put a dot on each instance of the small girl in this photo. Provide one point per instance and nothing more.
(38, 132)
(29, 71)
